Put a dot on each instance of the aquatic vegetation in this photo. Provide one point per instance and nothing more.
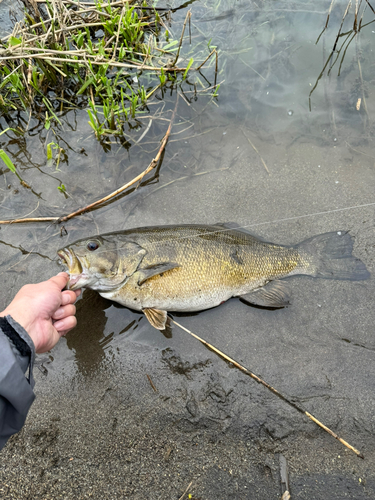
(8, 162)
(107, 57)
(355, 19)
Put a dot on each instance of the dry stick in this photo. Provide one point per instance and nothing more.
(358, 151)
(152, 165)
(92, 61)
(284, 477)
(355, 24)
(207, 58)
(188, 16)
(268, 386)
(187, 489)
(45, 52)
(151, 382)
(342, 22)
(329, 13)
(371, 7)
(216, 65)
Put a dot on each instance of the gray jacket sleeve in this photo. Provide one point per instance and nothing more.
(16, 388)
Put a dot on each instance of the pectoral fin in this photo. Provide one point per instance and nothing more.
(274, 294)
(156, 317)
(150, 271)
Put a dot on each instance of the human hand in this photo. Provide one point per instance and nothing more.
(45, 311)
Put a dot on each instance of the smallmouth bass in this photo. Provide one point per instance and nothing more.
(195, 267)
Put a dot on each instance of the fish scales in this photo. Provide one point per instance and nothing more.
(213, 265)
(194, 267)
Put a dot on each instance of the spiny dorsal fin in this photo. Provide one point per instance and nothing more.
(156, 317)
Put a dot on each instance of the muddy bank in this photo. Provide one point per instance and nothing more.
(207, 426)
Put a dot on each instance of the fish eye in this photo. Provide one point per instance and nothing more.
(92, 245)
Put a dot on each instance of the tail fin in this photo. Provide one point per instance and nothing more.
(329, 256)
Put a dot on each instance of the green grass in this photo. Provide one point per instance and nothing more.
(109, 60)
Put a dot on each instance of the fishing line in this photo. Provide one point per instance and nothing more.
(256, 224)
(309, 215)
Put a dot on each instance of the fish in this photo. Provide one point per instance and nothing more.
(193, 267)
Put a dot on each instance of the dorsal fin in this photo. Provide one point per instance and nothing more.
(236, 227)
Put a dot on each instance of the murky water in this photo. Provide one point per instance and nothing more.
(254, 154)
(283, 150)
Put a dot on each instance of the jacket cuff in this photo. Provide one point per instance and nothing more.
(21, 340)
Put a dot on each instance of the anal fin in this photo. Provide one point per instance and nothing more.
(274, 294)
(156, 317)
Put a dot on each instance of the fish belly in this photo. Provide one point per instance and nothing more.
(159, 294)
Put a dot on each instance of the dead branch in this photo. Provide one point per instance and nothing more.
(114, 194)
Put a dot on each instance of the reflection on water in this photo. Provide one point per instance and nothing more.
(103, 328)
(87, 338)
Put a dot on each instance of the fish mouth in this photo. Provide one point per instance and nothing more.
(78, 278)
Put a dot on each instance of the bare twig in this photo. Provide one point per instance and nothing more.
(151, 382)
(342, 22)
(207, 58)
(137, 179)
(187, 489)
(269, 387)
(134, 65)
(358, 151)
(327, 21)
(362, 84)
(188, 16)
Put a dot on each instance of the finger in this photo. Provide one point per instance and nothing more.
(68, 297)
(64, 325)
(63, 312)
(61, 280)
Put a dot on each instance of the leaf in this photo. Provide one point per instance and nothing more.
(169, 45)
(86, 84)
(49, 149)
(8, 162)
(187, 68)
(47, 124)
(14, 41)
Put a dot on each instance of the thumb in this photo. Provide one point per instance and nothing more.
(60, 279)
